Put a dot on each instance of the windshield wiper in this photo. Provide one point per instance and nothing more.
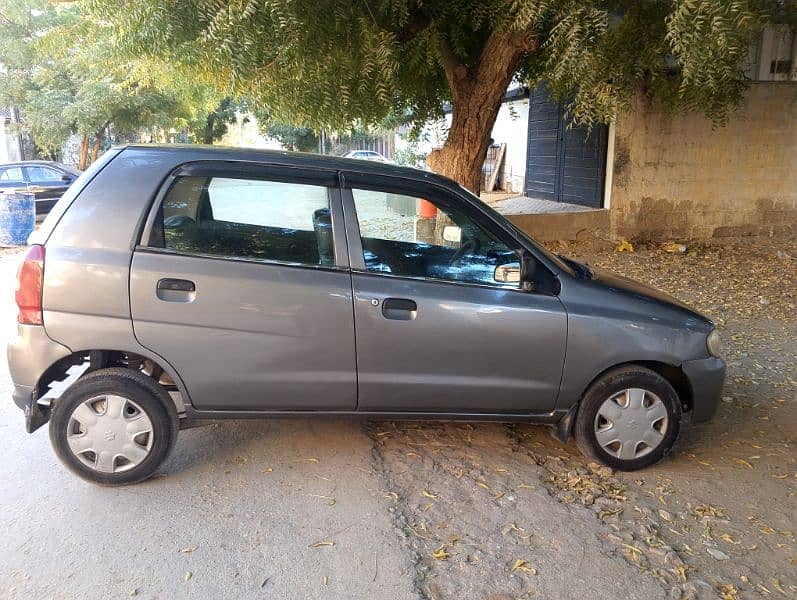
(583, 271)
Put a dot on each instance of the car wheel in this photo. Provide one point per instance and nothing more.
(114, 426)
(628, 419)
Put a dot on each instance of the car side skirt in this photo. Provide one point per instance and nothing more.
(549, 418)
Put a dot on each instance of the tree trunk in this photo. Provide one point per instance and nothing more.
(476, 94)
(95, 151)
(210, 123)
(84, 153)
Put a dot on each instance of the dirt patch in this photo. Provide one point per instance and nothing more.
(477, 512)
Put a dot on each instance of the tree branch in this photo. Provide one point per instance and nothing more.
(413, 27)
(455, 70)
(516, 43)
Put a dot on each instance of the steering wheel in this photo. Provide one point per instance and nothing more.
(470, 245)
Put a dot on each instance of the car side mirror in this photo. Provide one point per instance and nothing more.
(507, 273)
(452, 233)
(66, 178)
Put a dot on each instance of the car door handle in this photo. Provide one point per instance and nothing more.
(175, 290)
(399, 309)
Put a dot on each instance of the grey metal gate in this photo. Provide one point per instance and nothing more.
(564, 164)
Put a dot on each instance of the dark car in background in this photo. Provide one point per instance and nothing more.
(46, 179)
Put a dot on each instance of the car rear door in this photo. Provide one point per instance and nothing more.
(241, 282)
(11, 177)
(436, 331)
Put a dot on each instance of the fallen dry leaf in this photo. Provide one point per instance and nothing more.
(523, 565)
(743, 462)
(322, 543)
(441, 553)
(624, 246)
(188, 550)
(329, 500)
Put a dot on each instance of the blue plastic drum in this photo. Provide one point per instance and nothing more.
(17, 217)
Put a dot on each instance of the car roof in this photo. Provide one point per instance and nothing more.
(290, 158)
(40, 163)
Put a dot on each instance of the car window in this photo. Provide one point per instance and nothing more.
(248, 218)
(47, 174)
(11, 174)
(419, 237)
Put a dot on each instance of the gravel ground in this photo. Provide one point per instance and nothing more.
(334, 509)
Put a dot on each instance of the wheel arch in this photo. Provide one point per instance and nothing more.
(672, 373)
(99, 358)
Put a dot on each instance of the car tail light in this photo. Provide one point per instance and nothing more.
(30, 280)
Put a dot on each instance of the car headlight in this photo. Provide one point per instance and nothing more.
(713, 343)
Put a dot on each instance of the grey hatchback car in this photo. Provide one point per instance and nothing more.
(175, 285)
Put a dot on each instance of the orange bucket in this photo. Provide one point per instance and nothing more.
(426, 210)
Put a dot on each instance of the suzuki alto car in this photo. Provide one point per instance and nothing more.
(175, 285)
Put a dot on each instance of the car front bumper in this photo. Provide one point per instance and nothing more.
(706, 377)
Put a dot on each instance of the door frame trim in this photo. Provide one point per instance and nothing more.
(325, 178)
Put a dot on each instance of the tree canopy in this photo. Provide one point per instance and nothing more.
(61, 68)
(327, 63)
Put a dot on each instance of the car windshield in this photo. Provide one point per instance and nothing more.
(551, 257)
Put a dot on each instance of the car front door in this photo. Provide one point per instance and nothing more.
(49, 185)
(41, 176)
(442, 324)
(241, 282)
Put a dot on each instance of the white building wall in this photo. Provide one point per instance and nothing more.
(9, 143)
(511, 128)
(3, 144)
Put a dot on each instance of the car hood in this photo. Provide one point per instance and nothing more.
(612, 282)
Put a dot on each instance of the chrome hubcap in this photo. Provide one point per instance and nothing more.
(631, 423)
(110, 434)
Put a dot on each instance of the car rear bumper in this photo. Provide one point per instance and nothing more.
(706, 377)
(30, 353)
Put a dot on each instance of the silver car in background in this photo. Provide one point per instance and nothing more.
(173, 285)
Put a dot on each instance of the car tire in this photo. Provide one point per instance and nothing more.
(628, 419)
(114, 426)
